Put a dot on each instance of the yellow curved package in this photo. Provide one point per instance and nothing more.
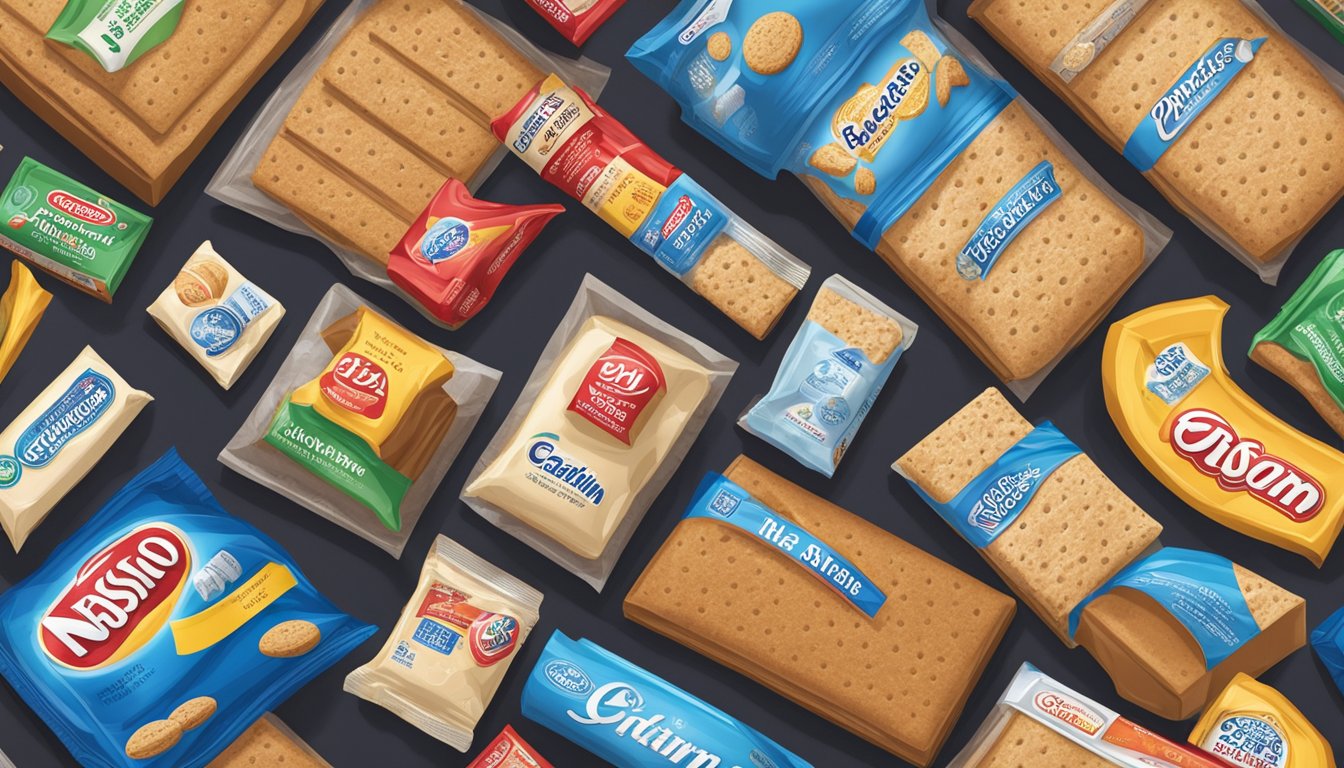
(21, 307)
(1251, 725)
(1224, 454)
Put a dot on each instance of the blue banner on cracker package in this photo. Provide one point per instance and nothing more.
(1328, 640)
(1199, 589)
(165, 627)
(719, 498)
(989, 504)
(1019, 207)
(867, 97)
(635, 719)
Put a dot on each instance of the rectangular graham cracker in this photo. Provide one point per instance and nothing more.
(1156, 663)
(1262, 164)
(402, 102)
(1026, 743)
(268, 743)
(1303, 377)
(145, 124)
(1077, 532)
(1053, 283)
(741, 286)
(899, 680)
(875, 334)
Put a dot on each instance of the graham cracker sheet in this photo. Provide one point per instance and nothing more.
(145, 124)
(899, 680)
(1258, 167)
(395, 98)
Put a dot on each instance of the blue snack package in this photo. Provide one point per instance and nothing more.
(163, 599)
(826, 384)
(634, 719)
(1328, 640)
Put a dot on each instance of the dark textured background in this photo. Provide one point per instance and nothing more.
(934, 379)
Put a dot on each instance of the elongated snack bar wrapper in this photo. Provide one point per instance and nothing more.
(67, 229)
(454, 256)
(114, 32)
(1251, 725)
(21, 307)
(1170, 395)
(633, 718)
(830, 376)
(217, 315)
(508, 750)
(925, 155)
(576, 19)
(1304, 343)
(610, 410)
(159, 632)
(1189, 91)
(455, 641)
(1039, 721)
(563, 135)
(59, 437)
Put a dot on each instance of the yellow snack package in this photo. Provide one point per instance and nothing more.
(21, 307)
(1251, 725)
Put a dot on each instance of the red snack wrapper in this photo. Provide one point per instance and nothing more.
(576, 19)
(508, 750)
(455, 255)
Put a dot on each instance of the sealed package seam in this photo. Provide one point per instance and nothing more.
(344, 150)
(164, 627)
(604, 421)
(1232, 120)
(912, 141)
(347, 430)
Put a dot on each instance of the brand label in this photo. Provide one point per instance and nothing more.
(682, 226)
(445, 239)
(1210, 443)
(1069, 711)
(1175, 373)
(1002, 501)
(1250, 741)
(1005, 221)
(621, 705)
(544, 454)
(1190, 95)
(715, 12)
(617, 388)
(75, 411)
(357, 384)
(80, 208)
(493, 637)
(118, 600)
(568, 677)
(217, 329)
(547, 121)
(865, 122)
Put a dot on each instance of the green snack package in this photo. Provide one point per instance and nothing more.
(1330, 13)
(69, 230)
(116, 32)
(1304, 343)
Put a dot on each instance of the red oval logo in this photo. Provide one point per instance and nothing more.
(357, 384)
(80, 208)
(129, 584)
(678, 215)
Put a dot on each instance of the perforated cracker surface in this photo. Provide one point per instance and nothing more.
(265, 746)
(1025, 743)
(874, 333)
(741, 286)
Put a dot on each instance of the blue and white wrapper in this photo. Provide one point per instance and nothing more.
(720, 499)
(634, 719)
(824, 388)
(1019, 206)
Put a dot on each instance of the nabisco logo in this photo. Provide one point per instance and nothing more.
(684, 207)
(1069, 711)
(357, 384)
(1209, 442)
(80, 208)
(118, 600)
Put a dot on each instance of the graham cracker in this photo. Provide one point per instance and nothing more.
(899, 680)
(1155, 661)
(1077, 532)
(145, 124)
(1303, 376)
(268, 744)
(875, 334)
(1263, 162)
(1026, 743)
(741, 286)
(1053, 283)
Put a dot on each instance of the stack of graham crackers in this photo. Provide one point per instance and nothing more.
(145, 124)
(1077, 532)
(403, 102)
(1259, 166)
(1053, 283)
(899, 680)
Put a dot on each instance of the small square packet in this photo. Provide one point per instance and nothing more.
(217, 316)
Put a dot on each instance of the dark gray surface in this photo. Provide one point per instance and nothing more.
(935, 378)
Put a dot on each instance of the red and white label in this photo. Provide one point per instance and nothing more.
(509, 751)
(80, 208)
(1209, 442)
(121, 588)
(684, 207)
(357, 384)
(617, 389)
(1070, 711)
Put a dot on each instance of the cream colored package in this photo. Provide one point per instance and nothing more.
(217, 316)
(606, 418)
(447, 655)
(58, 438)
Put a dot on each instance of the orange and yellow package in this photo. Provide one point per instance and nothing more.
(21, 307)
